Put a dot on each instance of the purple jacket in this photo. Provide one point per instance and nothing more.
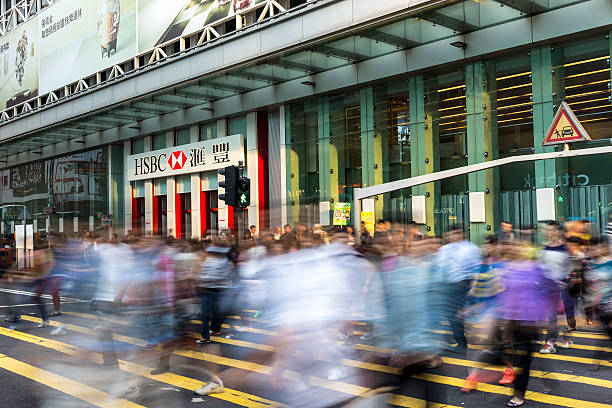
(529, 292)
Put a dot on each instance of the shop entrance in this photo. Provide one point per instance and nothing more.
(184, 232)
(160, 209)
(211, 212)
(138, 222)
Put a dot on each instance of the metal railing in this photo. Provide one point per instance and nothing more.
(20, 13)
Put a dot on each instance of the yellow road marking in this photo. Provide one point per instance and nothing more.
(530, 395)
(586, 335)
(70, 387)
(354, 390)
(237, 397)
(90, 316)
(87, 330)
(376, 367)
(191, 384)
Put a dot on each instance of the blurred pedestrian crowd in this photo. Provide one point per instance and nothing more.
(393, 291)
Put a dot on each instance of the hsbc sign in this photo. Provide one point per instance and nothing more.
(177, 160)
(192, 158)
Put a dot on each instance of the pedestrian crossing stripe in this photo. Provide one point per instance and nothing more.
(65, 385)
(352, 389)
(529, 395)
(234, 396)
(176, 380)
(467, 363)
(578, 334)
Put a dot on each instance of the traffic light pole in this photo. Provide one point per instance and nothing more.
(239, 209)
(237, 193)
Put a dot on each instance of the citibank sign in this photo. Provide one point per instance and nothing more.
(192, 158)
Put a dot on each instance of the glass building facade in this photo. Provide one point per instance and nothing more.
(452, 117)
(66, 194)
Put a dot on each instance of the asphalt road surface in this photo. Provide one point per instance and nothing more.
(39, 369)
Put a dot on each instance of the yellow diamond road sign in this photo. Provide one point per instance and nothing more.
(565, 128)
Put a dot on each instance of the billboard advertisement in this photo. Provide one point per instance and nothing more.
(78, 38)
(19, 65)
(162, 20)
(73, 39)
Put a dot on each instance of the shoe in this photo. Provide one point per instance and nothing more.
(471, 383)
(160, 370)
(44, 323)
(229, 335)
(366, 336)
(210, 388)
(336, 374)
(59, 330)
(341, 336)
(435, 363)
(508, 378)
(203, 341)
(216, 333)
(55, 314)
(548, 348)
(515, 404)
(565, 344)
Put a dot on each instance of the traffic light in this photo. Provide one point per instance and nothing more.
(230, 184)
(244, 192)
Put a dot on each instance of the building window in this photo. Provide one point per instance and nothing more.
(237, 126)
(208, 131)
(138, 145)
(586, 76)
(158, 141)
(513, 96)
(182, 137)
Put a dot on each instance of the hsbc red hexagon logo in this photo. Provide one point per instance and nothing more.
(177, 160)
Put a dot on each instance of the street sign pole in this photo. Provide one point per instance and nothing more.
(239, 208)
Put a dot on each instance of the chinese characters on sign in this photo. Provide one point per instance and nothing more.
(49, 27)
(221, 153)
(198, 156)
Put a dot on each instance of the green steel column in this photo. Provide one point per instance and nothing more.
(293, 173)
(481, 109)
(116, 186)
(323, 143)
(371, 147)
(424, 142)
(381, 148)
(337, 138)
(548, 91)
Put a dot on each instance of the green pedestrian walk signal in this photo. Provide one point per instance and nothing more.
(244, 192)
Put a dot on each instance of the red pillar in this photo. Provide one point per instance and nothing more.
(134, 211)
(230, 217)
(155, 214)
(203, 211)
(178, 207)
(262, 189)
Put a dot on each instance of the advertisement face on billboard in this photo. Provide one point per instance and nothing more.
(162, 20)
(78, 38)
(19, 65)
